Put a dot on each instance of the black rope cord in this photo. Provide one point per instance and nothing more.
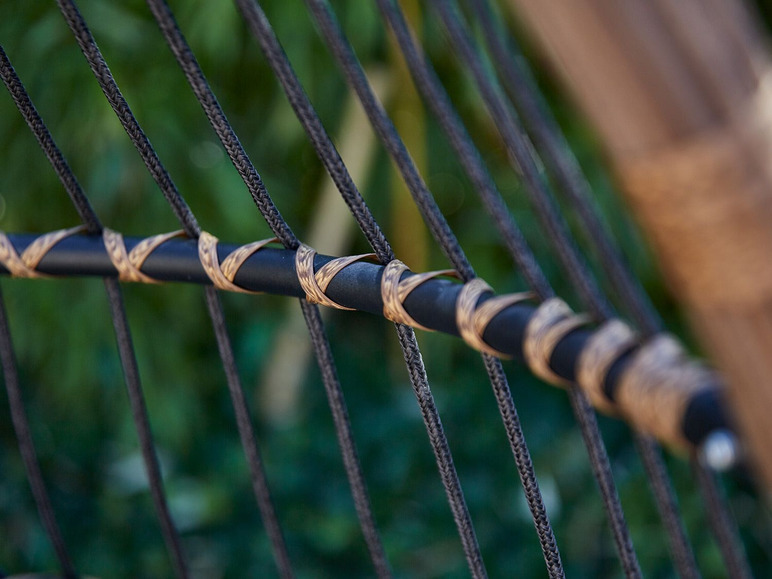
(186, 218)
(548, 139)
(246, 169)
(352, 200)
(469, 156)
(652, 461)
(27, 447)
(436, 97)
(438, 100)
(10, 374)
(728, 538)
(651, 458)
(322, 143)
(556, 154)
(561, 164)
(385, 129)
(441, 231)
(125, 349)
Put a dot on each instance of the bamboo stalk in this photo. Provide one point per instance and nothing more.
(681, 93)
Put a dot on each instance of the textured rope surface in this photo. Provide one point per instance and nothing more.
(439, 102)
(284, 233)
(513, 72)
(190, 225)
(125, 351)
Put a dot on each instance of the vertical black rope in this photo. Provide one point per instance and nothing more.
(384, 128)
(246, 169)
(667, 506)
(525, 467)
(129, 122)
(518, 81)
(562, 165)
(438, 100)
(27, 447)
(345, 439)
(588, 424)
(469, 156)
(326, 151)
(187, 219)
(142, 425)
(220, 124)
(13, 389)
(27, 109)
(388, 134)
(520, 153)
(123, 334)
(247, 435)
(441, 450)
(727, 535)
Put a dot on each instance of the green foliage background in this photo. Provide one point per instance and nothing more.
(71, 375)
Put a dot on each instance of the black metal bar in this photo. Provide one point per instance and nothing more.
(432, 304)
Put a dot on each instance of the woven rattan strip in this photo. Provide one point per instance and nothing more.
(613, 339)
(472, 321)
(395, 291)
(657, 385)
(315, 284)
(24, 265)
(223, 274)
(129, 264)
(552, 321)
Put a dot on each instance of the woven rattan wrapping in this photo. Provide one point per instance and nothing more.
(656, 387)
(472, 321)
(551, 322)
(315, 284)
(130, 263)
(24, 265)
(394, 292)
(223, 274)
(604, 347)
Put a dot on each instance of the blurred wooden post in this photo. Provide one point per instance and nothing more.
(681, 92)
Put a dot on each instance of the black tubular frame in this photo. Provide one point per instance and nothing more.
(357, 286)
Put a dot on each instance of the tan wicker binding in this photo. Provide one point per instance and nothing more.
(552, 321)
(223, 274)
(24, 265)
(472, 320)
(315, 284)
(394, 292)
